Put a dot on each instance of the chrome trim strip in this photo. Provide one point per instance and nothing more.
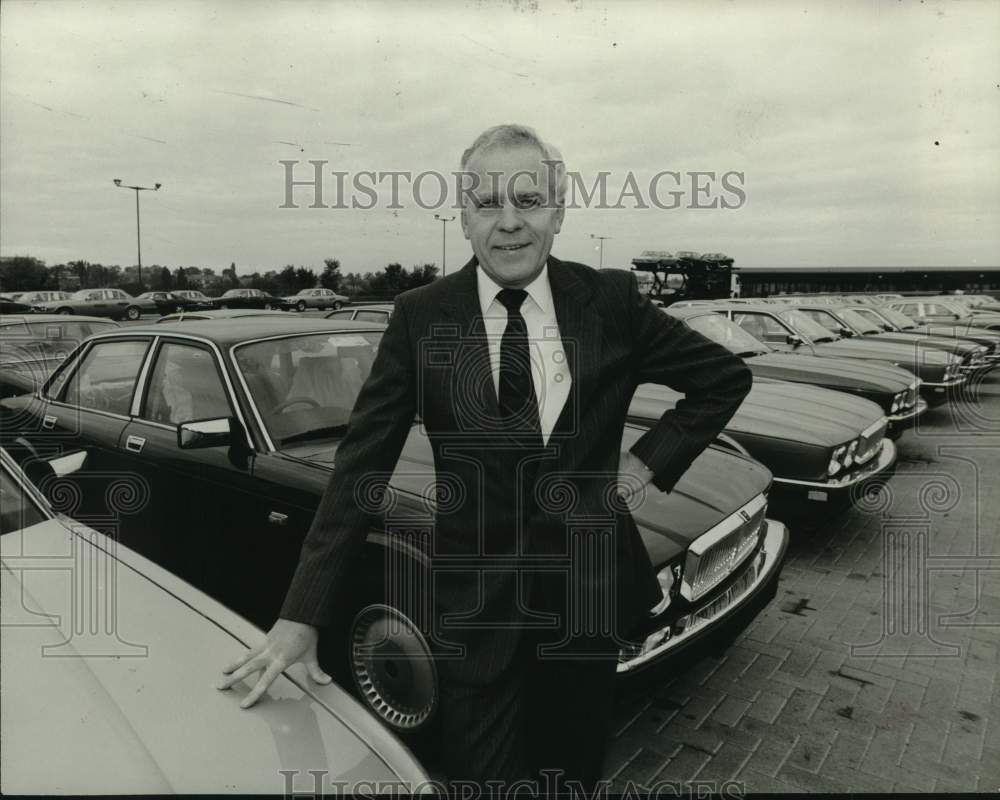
(946, 384)
(773, 540)
(887, 455)
(731, 523)
(916, 411)
(140, 383)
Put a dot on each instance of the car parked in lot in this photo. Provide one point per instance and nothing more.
(316, 298)
(373, 312)
(112, 303)
(249, 298)
(893, 389)
(108, 689)
(33, 345)
(895, 320)
(791, 329)
(170, 302)
(818, 443)
(945, 311)
(233, 425)
(846, 322)
(33, 298)
(195, 295)
(8, 305)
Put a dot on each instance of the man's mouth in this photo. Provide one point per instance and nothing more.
(509, 247)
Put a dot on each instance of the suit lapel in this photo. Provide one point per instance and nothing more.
(580, 329)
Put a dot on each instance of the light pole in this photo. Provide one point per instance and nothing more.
(601, 238)
(444, 238)
(138, 236)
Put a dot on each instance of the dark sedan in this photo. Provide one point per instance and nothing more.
(250, 298)
(793, 330)
(818, 443)
(946, 312)
(9, 305)
(893, 389)
(848, 322)
(171, 302)
(233, 427)
(898, 321)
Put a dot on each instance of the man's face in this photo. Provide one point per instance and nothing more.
(511, 218)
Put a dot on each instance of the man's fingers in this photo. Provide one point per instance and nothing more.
(317, 674)
(241, 660)
(239, 674)
(272, 672)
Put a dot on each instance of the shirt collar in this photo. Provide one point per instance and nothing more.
(538, 290)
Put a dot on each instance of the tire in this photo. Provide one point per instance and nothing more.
(65, 311)
(336, 305)
(300, 306)
(402, 692)
(223, 306)
(132, 313)
(268, 307)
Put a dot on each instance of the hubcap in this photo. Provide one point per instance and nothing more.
(393, 667)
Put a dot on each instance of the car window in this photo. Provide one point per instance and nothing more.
(183, 386)
(341, 315)
(306, 386)
(17, 509)
(372, 316)
(724, 332)
(762, 327)
(105, 380)
(823, 318)
(909, 309)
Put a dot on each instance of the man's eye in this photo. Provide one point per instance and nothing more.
(488, 204)
(524, 203)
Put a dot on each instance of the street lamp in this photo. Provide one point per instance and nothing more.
(138, 237)
(602, 238)
(444, 238)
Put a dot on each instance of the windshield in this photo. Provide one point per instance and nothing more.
(897, 318)
(871, 317)
(955, 308)
(804, 326)
(859, 323)
(730, 335)
(305, 386)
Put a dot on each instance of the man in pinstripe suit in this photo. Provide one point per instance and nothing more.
(521, 368)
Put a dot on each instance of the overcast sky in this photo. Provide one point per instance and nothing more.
(867, 133)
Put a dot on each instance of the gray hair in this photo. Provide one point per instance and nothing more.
(513, 135)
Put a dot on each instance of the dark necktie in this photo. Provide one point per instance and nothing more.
(518, 404)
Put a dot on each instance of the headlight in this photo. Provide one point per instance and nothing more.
(835, 461)
(852, 449)
(897, 402)
(667, 580)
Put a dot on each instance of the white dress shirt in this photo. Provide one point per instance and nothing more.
(549, 369)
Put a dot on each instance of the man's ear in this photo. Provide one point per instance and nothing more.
(465, 222)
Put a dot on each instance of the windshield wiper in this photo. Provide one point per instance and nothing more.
(316, 433)
(822, 339)
(749, 353)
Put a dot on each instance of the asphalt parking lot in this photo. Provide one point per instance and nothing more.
(875, 667)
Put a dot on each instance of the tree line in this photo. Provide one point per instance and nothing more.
(26, 273)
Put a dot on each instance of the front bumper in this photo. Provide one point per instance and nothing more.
(886, 458)
(734, 607)
(942, 385)
(906, 418)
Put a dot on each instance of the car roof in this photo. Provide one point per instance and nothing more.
(235, 330)
(373, 307)
(221, 313)
(23, 319)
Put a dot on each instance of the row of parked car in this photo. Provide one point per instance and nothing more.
(204, 443)
(118, 304)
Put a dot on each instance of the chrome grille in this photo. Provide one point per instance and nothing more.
(714, 555)
(870, 441)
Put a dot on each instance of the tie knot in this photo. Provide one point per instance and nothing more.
(511, 299)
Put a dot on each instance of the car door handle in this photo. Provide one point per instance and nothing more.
(49, 422)
(277, 518)
(134, 444)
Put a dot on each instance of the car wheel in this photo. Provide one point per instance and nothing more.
(224, 306)
(132, 313)
(268, 307)
(300, 306)
(336, 305)
(65, 311)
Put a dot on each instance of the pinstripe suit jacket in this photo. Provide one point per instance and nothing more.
(433, 361)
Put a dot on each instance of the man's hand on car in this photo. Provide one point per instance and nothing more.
(287, 643)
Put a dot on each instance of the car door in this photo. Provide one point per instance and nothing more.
(84, 410)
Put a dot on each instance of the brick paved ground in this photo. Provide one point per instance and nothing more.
(875, 667)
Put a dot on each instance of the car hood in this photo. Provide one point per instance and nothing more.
(794, 412)
(951, 345)
(133, 708)
(831, 372)
(668, 522)
(979, 334)
(888, 351)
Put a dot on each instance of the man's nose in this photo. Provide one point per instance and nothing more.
(510, 217)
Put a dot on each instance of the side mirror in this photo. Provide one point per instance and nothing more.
(204, 433)
(794, 340)
(847, 333)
